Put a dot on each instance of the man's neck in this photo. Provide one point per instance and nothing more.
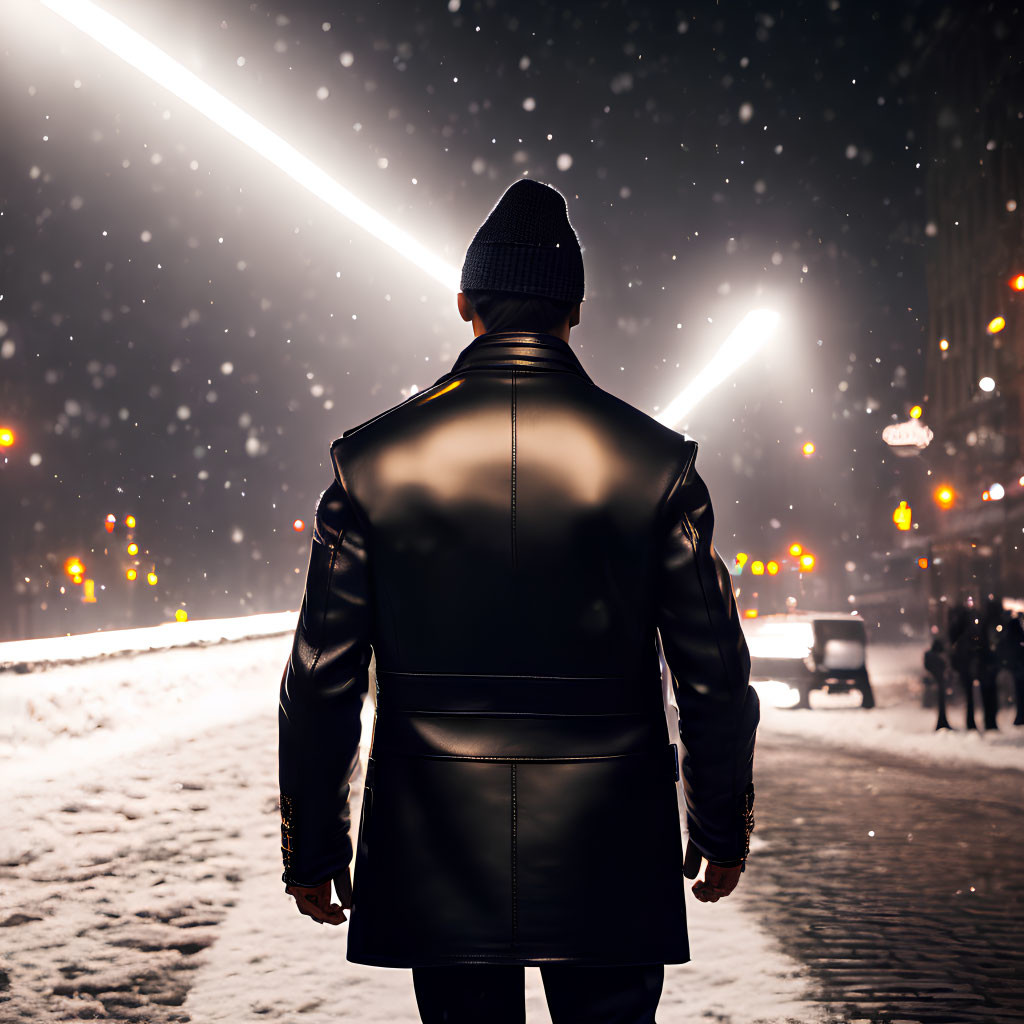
(561, 332)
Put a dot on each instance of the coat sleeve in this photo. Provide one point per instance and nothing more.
(709, 662)
(322, 690)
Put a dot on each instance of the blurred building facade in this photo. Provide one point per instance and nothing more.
(975, 254)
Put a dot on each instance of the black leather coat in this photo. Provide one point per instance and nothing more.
(507, 542)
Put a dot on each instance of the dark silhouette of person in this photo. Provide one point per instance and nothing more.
(936, 666)
(990, 623)
(963, 654)
(1015, 662)
(511, 544)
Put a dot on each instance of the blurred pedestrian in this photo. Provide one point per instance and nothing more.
(990, 623)
(1015, 662)
(964, 647)
(962, 654)
(937, 667)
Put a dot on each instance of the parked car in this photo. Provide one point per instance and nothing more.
(811, 651)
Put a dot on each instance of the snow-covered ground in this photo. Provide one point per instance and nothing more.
(140, 864)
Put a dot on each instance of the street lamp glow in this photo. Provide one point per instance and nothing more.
(943, 344)
(142, 55)
(996, 492)
(808, 448)
(986, 384)
(744, 341)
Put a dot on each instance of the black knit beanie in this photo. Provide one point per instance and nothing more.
(526, 245)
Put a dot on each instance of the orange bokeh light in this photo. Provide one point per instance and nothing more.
(1017, 283)
(996, 324)
(808, 448)
(298, 526)
(6, 437)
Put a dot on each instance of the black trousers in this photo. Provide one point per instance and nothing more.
(576, 994)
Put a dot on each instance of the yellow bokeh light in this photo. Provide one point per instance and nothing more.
(772, 567)
(915, 412)
(750, 613)
(181, 615)
(808, 448)
(996, 324)
(133, 548)
(757, 568)
(795, 549)
(151, 579)
(807, 561)
(923, 563)
(6, 437)
(129, 521)
(943, 344)
(130, 574)
(1017, 283)
(76, 578)
(741, 559)
(73, 567)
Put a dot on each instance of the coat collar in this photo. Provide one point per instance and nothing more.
(513, 350)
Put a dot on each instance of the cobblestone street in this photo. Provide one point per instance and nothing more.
(898, 883)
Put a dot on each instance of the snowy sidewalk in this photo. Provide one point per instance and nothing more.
(141, 866)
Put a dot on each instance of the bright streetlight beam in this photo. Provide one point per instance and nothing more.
(746, 338)
(141, 54)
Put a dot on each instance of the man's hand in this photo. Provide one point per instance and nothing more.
(718, 881)
(315, 900)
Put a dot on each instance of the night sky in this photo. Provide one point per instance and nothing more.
(185, 329)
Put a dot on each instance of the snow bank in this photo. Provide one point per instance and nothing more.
(28, 655)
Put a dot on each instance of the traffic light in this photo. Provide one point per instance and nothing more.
(902, 516)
